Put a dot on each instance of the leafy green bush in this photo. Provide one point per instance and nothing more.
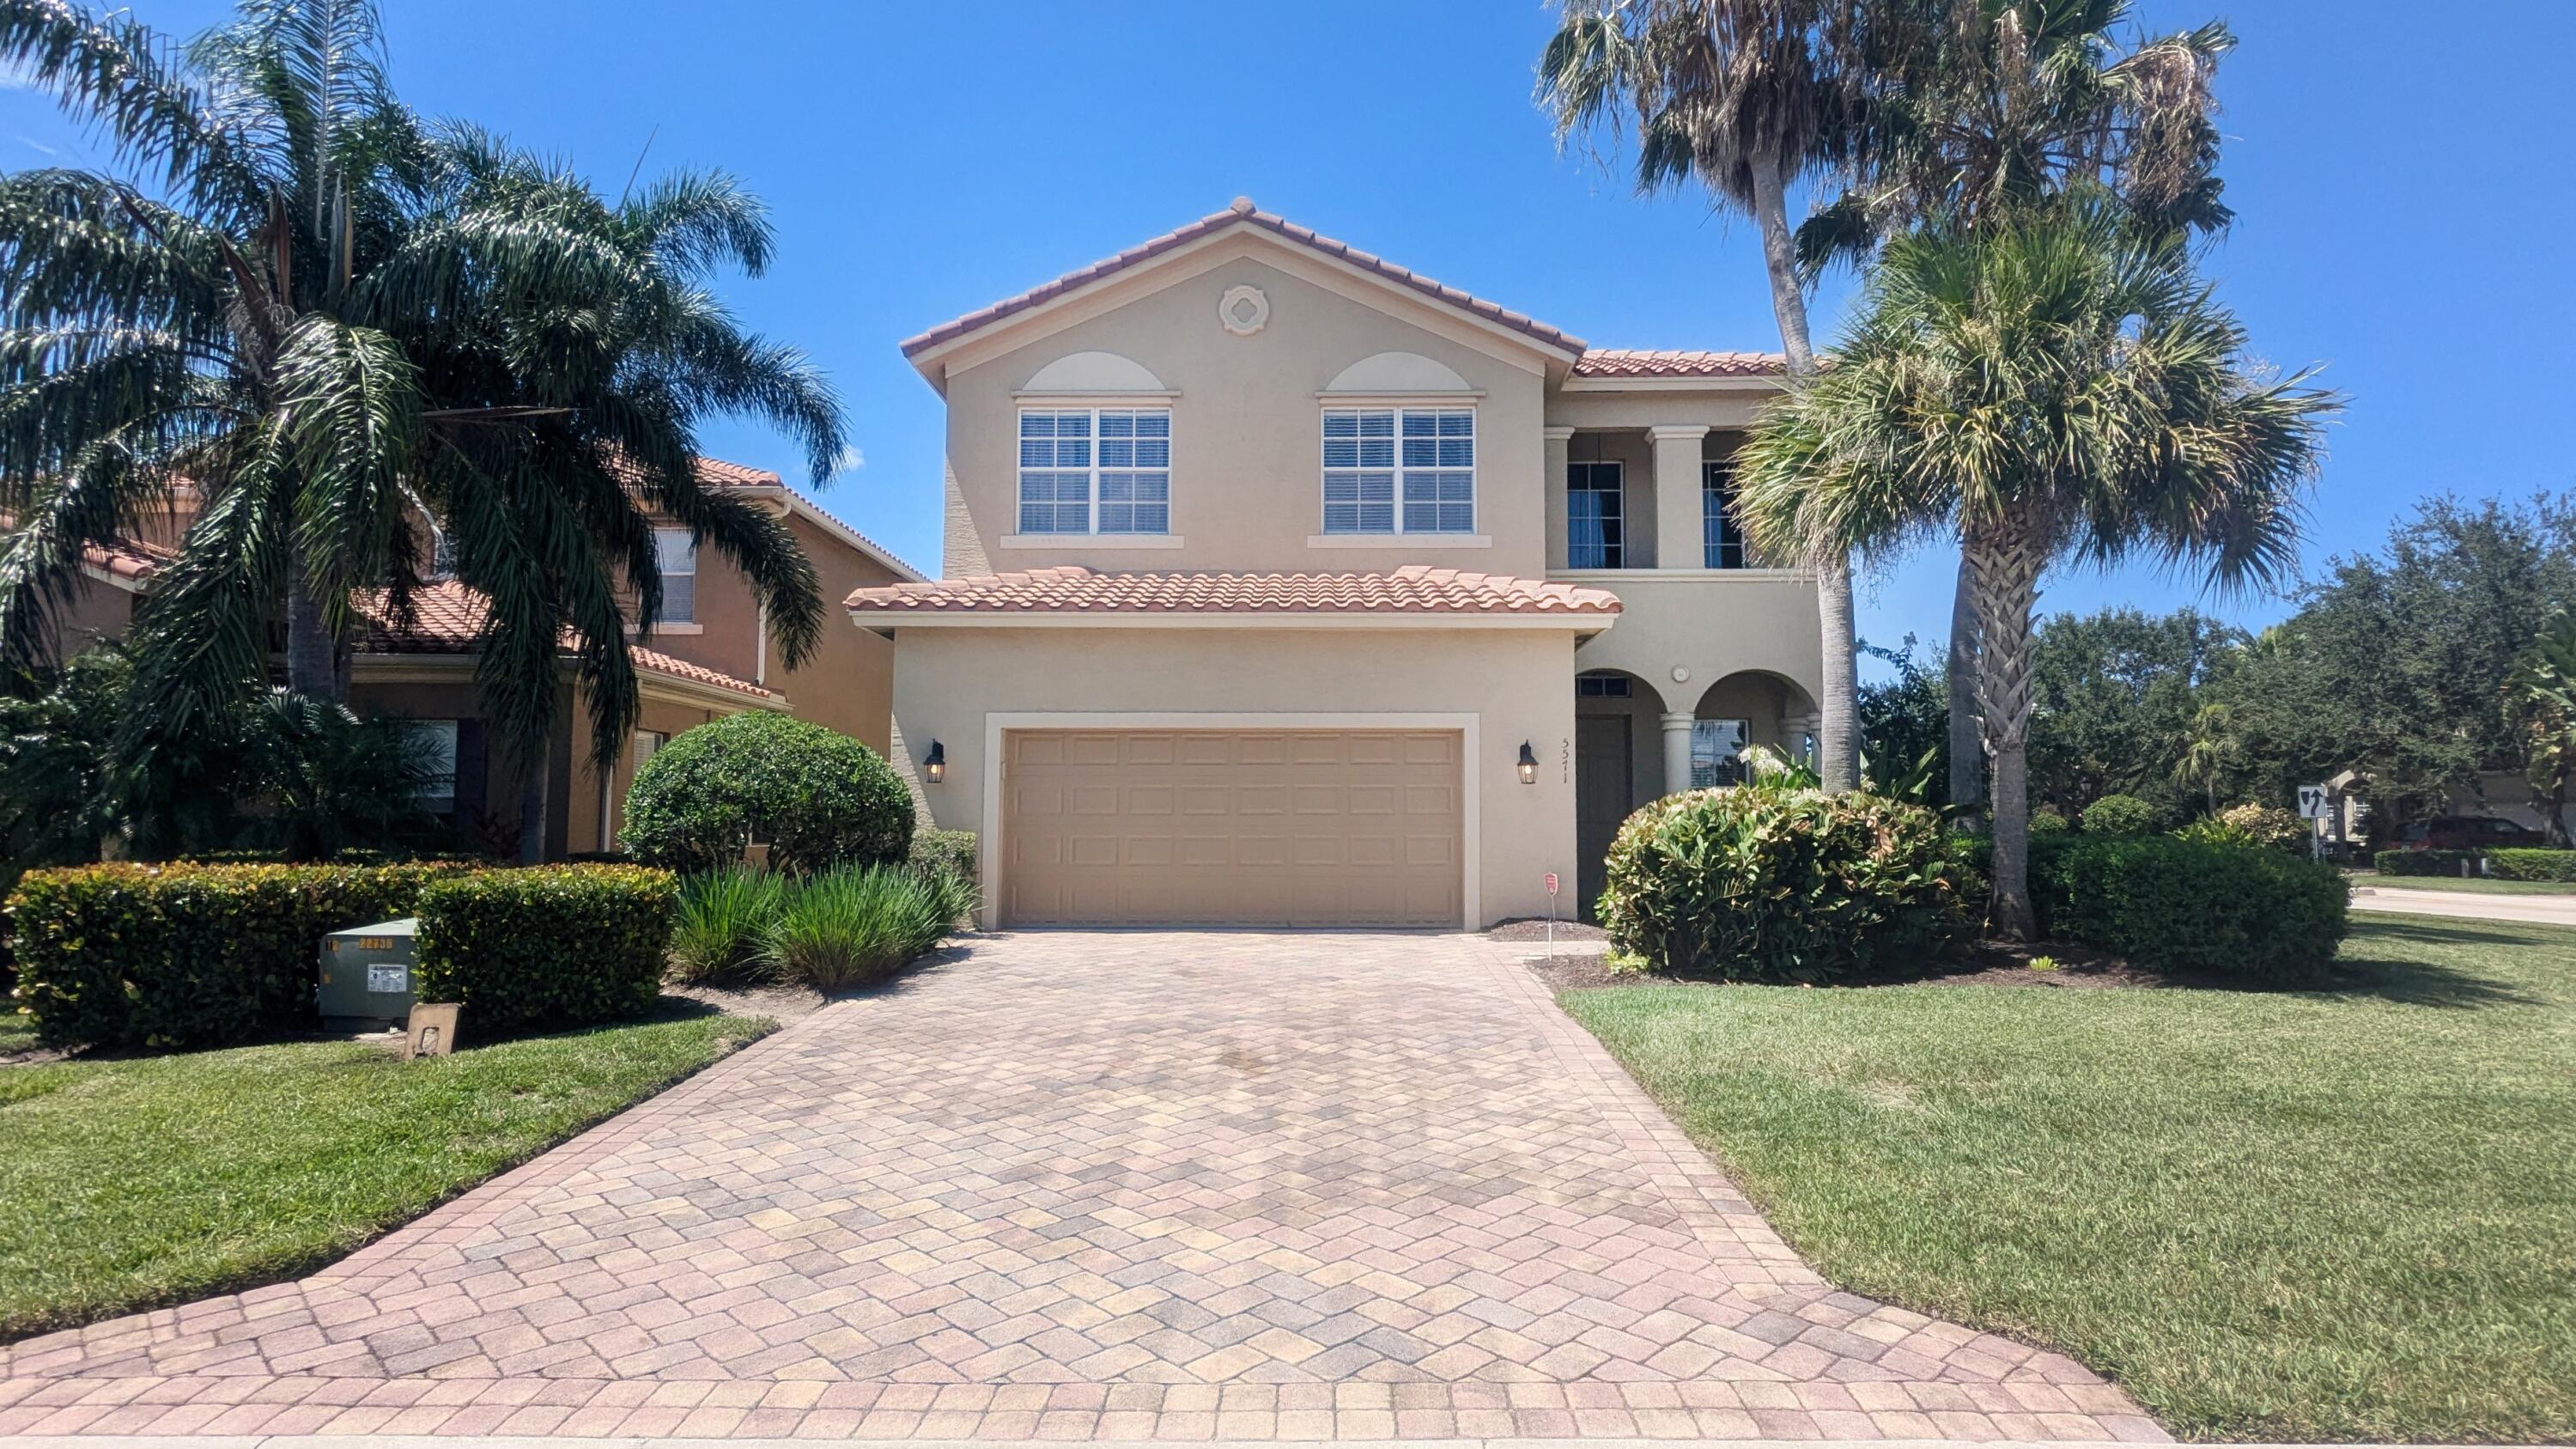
(2268, 827)
(2517, 863)
(190, 955)
(2250, 913)
(2119, 815)
(1765, 884)
(2426, 862)
(853, 925)
(724, 920)
(818, 797)
(949, 850)
(2048, 822)
(549, 945)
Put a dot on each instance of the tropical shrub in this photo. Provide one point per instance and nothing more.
(723, 923)
(855, 924)
(2119, 815)
(2049, 822)
(191, 955)
(552, 945)
(1766, 884)
(949, 850)
(2426, 862)
(819, 798)
(2212, 908)
(2524, 864)
(2268, 827)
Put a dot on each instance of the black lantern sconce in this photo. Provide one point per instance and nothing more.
(935, 764)
(1529, 765)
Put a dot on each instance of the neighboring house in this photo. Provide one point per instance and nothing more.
(709, 656)
(1268, 564)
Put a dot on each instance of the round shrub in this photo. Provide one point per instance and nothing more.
(1767, 884)
(2048, 822)
(2267, 827)
(818, 797)
(2120, 815)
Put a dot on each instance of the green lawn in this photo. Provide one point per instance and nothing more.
(2333, 1215)
(130, 1183)
(17, 1031)
(2478, 885)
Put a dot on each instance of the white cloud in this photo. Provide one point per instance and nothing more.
(36, 145)
(850, 460)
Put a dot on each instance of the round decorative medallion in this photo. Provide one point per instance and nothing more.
(1243, 310)
(1680, 675)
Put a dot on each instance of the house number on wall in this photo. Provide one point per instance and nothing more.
(1565, 759)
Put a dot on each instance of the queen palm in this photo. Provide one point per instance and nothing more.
(339, 328)
(1748, 96)
(2048, 385)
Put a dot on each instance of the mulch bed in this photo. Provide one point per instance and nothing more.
(1530, 928)
(1993, 963)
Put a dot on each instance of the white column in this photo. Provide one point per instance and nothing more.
(1677, 741)
(1678, 541)
(1558, 450)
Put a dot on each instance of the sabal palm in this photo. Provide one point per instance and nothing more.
(2209, 751)
(1748, 96)
(2048, 385)
(336, 326)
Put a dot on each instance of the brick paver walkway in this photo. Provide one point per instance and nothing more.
(1113, 1186)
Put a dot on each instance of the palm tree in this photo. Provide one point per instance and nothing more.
(1748, 96)
(2541, 694)
(2209, 752)
(340, 328)
(1978, 106)
(2049, 384)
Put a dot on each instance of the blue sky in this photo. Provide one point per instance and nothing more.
(2402, 186)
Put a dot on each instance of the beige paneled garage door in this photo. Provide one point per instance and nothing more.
(1232, 827)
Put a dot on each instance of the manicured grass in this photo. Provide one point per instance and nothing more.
(2476, 885)
(130, 1183)
(17, 1031)
(2318, 1216)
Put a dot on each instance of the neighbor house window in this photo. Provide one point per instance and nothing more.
(1096, 470)
(436, 739)
(1399, 470)
(1717, 751)
(675, 550)
(1601, 686)
(1721, 542)
(1595, 532)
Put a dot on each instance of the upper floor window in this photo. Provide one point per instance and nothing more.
(1721, 542)
(1595, 532)
(1399, 470)
(676, 551)
(1096, 470)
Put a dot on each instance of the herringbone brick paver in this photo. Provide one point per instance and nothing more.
(1096, 1186)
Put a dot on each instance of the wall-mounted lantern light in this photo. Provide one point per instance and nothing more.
(935, 764)
(1529, 765)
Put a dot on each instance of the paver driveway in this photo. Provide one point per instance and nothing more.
(1121, 1186)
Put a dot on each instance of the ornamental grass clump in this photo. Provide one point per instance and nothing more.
(1761, 883)
(723, 926)
(853, 925)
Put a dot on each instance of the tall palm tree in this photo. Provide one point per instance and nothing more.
(1973, 107)
(340, 328)
(2050, 384)
(1748, 96)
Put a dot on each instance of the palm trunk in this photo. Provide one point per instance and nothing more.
(1967, 747)
(2006, 557)
(312, 654)
(532, 806)
(1838, 727)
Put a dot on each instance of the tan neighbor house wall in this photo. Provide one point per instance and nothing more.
(1511, 685)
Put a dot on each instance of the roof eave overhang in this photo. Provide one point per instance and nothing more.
(787, 500)
(427, 666)
(885, 621)
(1755, 383)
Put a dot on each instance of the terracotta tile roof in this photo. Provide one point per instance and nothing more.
(126, 558)
(1243, 212)
(1076, 590)
(1644, 362)
(447, 618)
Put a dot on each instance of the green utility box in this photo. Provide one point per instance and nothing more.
(367, 971)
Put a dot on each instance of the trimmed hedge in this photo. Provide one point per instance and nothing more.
(190, 955)
(2119, 815)
(1761, 883)
(2425, 862)
(2525, 863)
(949, 850)
(2246, 912)
(559, 945)
(818, 797)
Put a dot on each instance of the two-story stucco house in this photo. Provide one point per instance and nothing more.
(1285, 585)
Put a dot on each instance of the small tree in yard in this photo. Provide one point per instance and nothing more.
(2541, 695)
(2051, 385)
(817, 797)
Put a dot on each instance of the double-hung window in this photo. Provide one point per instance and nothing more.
(1399, 470)
(1721, 541)
(1595, 532)
(676, 551)
(434, 744)
(1096, 470)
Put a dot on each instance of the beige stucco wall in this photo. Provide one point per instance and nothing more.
(1247, 447)
(1515, 683)
(1711, 623)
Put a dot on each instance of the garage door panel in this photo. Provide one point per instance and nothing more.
(1218, 827)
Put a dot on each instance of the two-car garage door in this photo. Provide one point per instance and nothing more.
(1232, 827)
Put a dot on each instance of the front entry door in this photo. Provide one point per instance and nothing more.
(1604, 795)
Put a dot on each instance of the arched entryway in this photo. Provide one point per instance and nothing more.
(1706, 747)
